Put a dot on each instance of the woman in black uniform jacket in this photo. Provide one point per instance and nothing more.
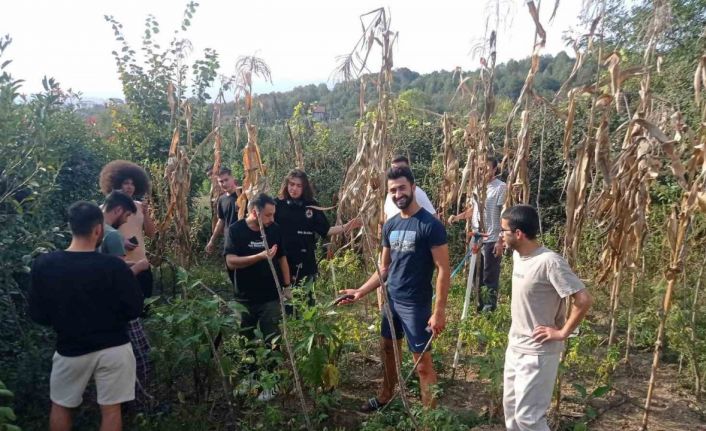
(300, 222)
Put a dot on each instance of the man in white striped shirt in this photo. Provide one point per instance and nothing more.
(492, 251)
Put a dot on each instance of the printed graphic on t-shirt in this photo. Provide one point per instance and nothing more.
(402, 240)
(256, 245)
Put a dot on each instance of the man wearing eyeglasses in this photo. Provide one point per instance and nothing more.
(541, 282)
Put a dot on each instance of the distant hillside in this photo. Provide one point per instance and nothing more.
(437, 89)
(432, 91)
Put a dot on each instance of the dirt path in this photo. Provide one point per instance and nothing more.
(674, 408)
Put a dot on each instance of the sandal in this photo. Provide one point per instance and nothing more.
(372, 405)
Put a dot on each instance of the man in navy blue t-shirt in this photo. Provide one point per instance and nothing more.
(414, 243)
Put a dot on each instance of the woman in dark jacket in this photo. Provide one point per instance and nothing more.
(301, 220)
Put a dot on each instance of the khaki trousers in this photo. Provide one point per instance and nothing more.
(527, 390)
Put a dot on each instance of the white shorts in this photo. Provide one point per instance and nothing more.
(112, 368)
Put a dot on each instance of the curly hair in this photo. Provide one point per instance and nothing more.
(116, 172)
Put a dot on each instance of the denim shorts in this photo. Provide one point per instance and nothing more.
(411, 321)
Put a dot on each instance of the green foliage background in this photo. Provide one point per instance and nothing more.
(52, 150)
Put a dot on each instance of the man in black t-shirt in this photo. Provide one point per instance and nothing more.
(226, 207)
(247, 258)
(88, 298)
(413, 245)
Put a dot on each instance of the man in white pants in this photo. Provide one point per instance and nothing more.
(541, 282)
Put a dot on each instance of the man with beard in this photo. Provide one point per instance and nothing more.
(226, 207)
(541, 282)
(420, 196)
(132, 180)
(414, 244)
(301, 221)
(247, 259)
(88, 298)
(117, 209)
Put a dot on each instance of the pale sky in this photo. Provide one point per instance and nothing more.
(70, 41)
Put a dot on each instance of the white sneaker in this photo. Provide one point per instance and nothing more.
(267, 395)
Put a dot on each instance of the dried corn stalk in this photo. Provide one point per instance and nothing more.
(623, 204)
(579, 172)
(699, 79)
(517, 176)
(602, 150)
(215, 189)
(449, 189)
(363, 190)
(695, 178)
(178, 177)
(254, 179)
(581, 56)
(476, 135)
(296, 147)
(622, 209)
(254, 172)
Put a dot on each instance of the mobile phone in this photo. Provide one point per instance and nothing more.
(342, 298)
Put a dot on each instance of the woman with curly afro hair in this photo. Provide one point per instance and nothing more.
(132, 180)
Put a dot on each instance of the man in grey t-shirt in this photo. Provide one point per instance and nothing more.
(541, 283)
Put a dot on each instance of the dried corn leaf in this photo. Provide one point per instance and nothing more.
(602, 149)
(668, 147)
(613, 63)
(448, 190)
(699, 80)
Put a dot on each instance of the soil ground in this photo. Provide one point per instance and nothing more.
(674, 408)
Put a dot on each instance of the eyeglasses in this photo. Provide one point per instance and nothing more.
(507, 230)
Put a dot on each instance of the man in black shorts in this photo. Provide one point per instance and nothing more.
(414, 243)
